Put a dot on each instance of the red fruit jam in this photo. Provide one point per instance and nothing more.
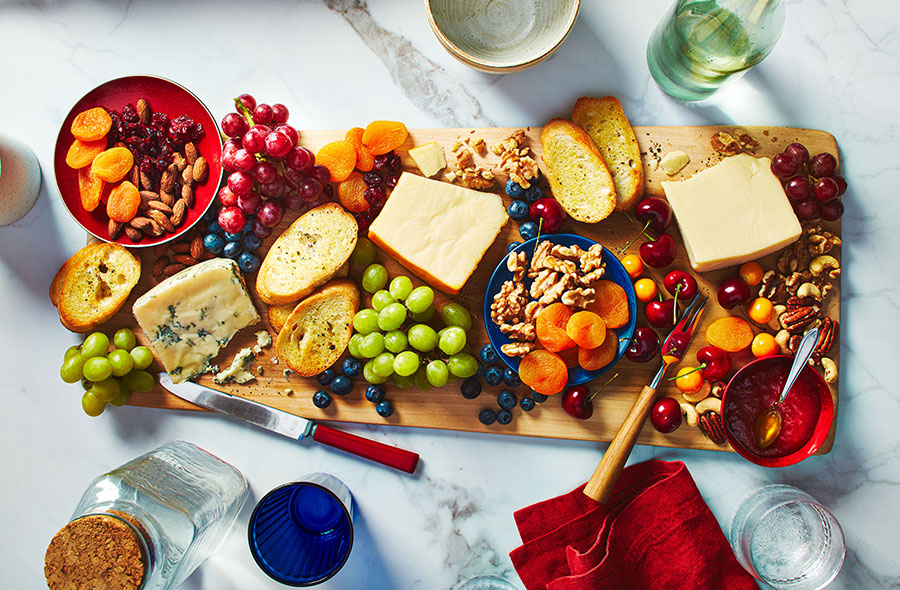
(754, 390)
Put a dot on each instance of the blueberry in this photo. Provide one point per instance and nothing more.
(538, 397)
(321, 399)
(511, 378)
(248, 226)
(384, 408)
(470, 388)
(341, 385)
(351, 367)
(481, 369)
(214, 243)
(527, 404)
(375, 393)
(325, 377)
(533, 193)
(504, 417)
(493, 375)
(251, 242)
(213, 227)
(232, 250)
(489, 355)
(248, 262)
(211, 214)
(230, 237)
(514, 190)
(506, 400)
(512, 246)
(528, 230)
(487, 416)
(518, 210)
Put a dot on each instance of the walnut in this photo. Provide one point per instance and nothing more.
(479, 146)
(793, 259)
(543, 281)
(517, 263)
(552, 289)
(573, 252)
(520, 331)
(724, 144)
(515, 161)
(820, 241)
(580, 297)
(793, 282)
(592, 259)
(477, 179)
(556, 264)
(517, 348)
(542, 250)
(508, 303)
(746, 140)
(773, 288)
(464, 159)
(532, 309)
(592, 277)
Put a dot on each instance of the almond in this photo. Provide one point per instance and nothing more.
(160, 249)
(179, 161)
(179, 212)
(134, 176)
(145, 113)
(197, 247)
(190, 152)
(201, 170)
(187, 175)
(173, 268)
(160, 206)
(181, 247)
(146, 198)
(162, 219)
(187, 193)
(139, 222)
(167, 197)
(158, 265)
(146, 181)
(114, 228)
(133, 234)
(167, 181)
(184, 259)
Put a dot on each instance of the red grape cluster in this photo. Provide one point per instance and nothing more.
(269, 171)
(811, 184)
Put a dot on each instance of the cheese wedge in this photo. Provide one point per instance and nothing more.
(429, 158)
(437, 230)
(192, 315)
(732, 213)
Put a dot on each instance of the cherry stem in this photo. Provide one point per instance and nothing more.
(640, 233)
(538, 236)
(242, 108)
(675, 305)
(608, 381)
(694, 370)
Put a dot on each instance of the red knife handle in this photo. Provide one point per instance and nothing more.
(369, 449)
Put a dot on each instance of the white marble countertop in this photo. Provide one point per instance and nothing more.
(341, 63)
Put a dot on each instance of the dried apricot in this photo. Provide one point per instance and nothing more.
(551, 327)
(350, 193)
(544, 372)
(113, 164)
(593, 359)
(365, 161)
(82, 153)
(123, 201)
(570, 357)
(92, 124)
(90, 188)
(586, 329)
(383, 136)
(610, 303)
(731, 334)
(339, 157)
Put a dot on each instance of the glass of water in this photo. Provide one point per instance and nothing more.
(786, 539)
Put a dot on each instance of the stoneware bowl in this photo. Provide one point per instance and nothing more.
(501, 36)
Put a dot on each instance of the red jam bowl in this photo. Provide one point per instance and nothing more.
(807, 412)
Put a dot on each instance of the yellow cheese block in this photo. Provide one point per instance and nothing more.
(731, 213)
(437, 230)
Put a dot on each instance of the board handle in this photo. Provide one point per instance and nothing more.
(601, 484)
(367, 448)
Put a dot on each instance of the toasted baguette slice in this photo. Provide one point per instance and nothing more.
(318, 330)
(99, 280)
(606, 123)
(578, 177)
(57, 284)
(308, 254)
(278, 314)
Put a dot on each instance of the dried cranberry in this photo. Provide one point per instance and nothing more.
(374, 194)
(394, 164)
(146, 166)
(391, 181)
(381, 161)
(129, 113)
(161, 164)
(372, 179)
(159, 120)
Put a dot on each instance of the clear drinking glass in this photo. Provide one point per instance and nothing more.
(786, 539)
(700, 44)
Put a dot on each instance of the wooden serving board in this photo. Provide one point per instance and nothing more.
(445, 407)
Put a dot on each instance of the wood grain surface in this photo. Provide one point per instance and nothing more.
(445, 407)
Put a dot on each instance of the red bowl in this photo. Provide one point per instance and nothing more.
(165, 96)
(754, 388)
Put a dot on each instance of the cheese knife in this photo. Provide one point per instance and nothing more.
(289, 425)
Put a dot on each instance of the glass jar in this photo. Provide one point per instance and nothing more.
(149, 523)
(700, 44)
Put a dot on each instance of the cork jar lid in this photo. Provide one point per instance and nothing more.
(95, 552)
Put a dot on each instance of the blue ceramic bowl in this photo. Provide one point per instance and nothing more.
(614, 272)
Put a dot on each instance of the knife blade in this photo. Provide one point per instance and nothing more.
(290, 425)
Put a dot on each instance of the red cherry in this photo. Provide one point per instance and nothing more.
(655, 212)
(643, 346)
(661, 313)
(231, 219)
(576, 402)
(550, 211)
(678, 281)
(676, 344)
(665, 415)
(660, 252)
(733, 291)
(718, 363)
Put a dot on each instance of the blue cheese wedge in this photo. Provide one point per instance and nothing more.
(237, 372)
(192, 315)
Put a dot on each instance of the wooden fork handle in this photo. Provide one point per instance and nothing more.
(601, 484)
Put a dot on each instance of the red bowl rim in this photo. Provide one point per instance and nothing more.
(149, 242)
(820, 433)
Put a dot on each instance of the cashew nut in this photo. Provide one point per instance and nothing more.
(831, 370)
(698, 395)
(825, 263)
(782, 337)
(718, 389)
(690, 414)
(809, 290)
(774, 322)
(710, 404)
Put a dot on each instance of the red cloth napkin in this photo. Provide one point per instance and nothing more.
(656, 532)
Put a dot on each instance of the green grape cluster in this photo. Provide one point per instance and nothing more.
(397, 340)
(108, 376)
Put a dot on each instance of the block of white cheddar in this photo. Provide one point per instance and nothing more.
(731, 213)
(437, 230)
(192, 315)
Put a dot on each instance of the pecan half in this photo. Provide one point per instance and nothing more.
(827, 331)
(710, 424)
(796, 318)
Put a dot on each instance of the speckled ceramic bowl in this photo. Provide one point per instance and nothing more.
(501, 36)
